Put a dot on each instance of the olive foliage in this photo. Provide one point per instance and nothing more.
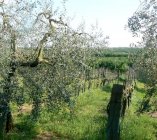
(144, 25)
(42, 59)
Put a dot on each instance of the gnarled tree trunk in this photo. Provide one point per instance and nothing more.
(6, 121)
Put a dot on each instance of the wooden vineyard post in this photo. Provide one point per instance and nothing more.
(114, 112)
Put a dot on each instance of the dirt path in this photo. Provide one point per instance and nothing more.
(49, 136)
(153, 114)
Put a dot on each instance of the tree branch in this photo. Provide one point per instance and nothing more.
(39, 59)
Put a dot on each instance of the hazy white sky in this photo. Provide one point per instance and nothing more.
(111, 15)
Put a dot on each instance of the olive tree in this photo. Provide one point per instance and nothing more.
(42, 58)
(144, 24)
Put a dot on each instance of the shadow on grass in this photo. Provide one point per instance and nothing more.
(25, 129)
(107, 88)
(141, 90)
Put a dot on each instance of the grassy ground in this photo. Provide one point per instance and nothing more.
(138, 126)
(88, 121)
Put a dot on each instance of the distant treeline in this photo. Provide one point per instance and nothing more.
(118, 59)
(117, 52)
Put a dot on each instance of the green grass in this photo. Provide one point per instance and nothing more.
(88, 121)
(138, 126)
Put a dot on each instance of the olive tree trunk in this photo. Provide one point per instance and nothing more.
(6, 121)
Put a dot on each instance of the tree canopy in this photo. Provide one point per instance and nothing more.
(43, 59)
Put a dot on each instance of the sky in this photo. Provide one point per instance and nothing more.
(111, 16)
